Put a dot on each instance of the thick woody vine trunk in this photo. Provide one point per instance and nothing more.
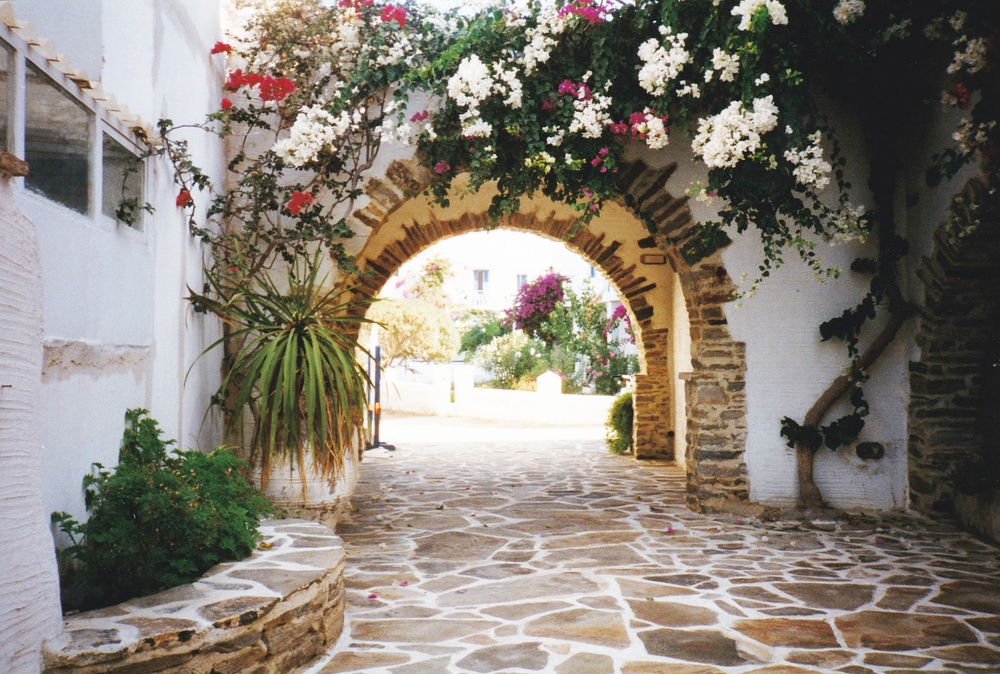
(883, 186)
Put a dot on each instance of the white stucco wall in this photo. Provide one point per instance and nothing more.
(29, 610)
(118, 331)
(788, 366)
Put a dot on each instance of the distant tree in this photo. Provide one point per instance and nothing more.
(414, 330)
(429, 284)
(479, 327)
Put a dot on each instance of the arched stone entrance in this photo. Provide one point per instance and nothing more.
(655, 281)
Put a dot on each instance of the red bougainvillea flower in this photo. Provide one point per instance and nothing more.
(962, 95)
(394, 13)
(270, 88)
(226, 104)
(299, 201)
(222, 48)
(420, 116)
(235, 80)
(275, 89)
(183, 198)
(441, 167)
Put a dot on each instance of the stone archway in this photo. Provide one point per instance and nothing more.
(954, 440)
(398, 223)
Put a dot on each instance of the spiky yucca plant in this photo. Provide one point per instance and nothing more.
(293, 365)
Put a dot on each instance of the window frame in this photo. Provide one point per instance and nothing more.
(102, 122)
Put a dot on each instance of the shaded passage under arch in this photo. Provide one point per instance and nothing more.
(715, 403)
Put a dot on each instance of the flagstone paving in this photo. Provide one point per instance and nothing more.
(474, 548)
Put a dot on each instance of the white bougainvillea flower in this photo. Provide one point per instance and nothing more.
(747, 8)
(848, 11)
(723, 140)
(810, 167)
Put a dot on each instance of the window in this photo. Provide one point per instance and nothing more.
(6, 94)
(57, 142)
(122, 182)
(522, 280)
(482, 277)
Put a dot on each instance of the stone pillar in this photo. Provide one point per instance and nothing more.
(29, 582)
(716, 436)
(653, 419)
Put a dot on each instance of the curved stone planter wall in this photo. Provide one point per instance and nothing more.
(271, 613)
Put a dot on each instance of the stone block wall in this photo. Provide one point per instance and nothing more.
(950, 445)
(272, 613)
(652, 430)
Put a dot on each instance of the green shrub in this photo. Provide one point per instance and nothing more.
(157, 520)
(479, 327)
(619, 424)
(510, 358)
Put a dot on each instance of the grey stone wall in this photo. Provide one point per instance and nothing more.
(272, 613)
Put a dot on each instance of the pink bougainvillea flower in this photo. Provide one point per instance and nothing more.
(226, 104)
(588, 10)
(275, 89)
(373, 596)
(548, 105)
(183, 198)
(567, 87)
(299, 201)
(619, 128)
(739, 520)
(442, 167)
(222, 48)
(420, 116)
(404, 583)
(670, 528)
(467, 487)
(394, 13)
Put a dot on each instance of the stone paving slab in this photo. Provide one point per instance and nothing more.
(518, 551)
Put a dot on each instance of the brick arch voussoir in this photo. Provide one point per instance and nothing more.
(716, 409)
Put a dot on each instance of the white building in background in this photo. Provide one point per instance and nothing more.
(113, 328)
(489, 268)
